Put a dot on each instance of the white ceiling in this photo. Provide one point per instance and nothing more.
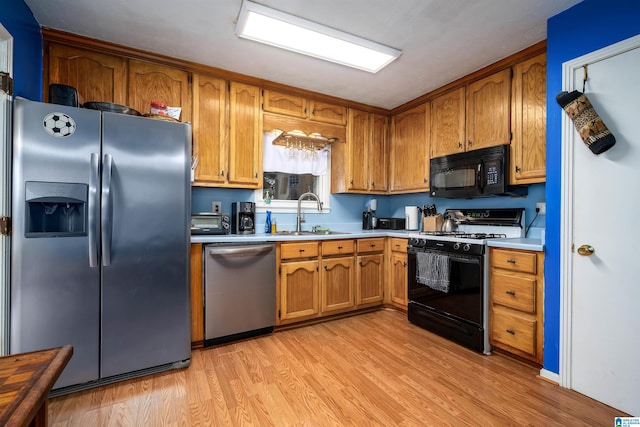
(441, 40)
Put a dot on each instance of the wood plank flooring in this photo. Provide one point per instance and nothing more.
(372, 369)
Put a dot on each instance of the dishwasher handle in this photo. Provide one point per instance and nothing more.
(241, 250)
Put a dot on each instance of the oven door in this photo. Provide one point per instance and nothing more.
(464, 299)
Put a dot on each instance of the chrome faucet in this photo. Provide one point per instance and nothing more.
(299, 219)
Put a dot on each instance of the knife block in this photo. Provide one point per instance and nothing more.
(432, 223)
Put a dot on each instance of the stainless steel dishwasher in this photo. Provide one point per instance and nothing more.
(240, 291)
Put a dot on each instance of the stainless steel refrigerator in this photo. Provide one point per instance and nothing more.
(100, 244)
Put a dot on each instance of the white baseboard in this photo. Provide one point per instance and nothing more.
(550, 376)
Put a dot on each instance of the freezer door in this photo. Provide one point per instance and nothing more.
(145, 230)
(54, 290)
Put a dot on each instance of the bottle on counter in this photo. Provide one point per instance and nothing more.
(267, 223)
(274, 227)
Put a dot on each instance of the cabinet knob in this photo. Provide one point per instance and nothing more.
(512, 293)
(425, 180)
(351, 182)
(511, 331)
(518, 169)
(459, 144)
(326, 268)
(404, 264)
(340, 247)
(221, 173)
(300, 250)
(511, 261)
(469, 143)
(361, 264)
(373, 184)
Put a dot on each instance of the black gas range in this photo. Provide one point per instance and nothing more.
(448, 274)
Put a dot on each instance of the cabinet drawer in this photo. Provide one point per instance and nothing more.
(337, 247)
(514, 260)
(371, 245)
(514, 291)
(515, 331)
(299, 250)
(398, 245)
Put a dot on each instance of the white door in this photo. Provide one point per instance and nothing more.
(6, 56)
(604, 331)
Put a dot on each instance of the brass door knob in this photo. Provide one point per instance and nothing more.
(586, 250)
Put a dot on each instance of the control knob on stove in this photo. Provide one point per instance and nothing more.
(456, 246)
(466, 247)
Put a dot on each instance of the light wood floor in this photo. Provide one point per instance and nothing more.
(370, 369)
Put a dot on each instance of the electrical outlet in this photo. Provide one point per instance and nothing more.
(542, 208)
(216, 207)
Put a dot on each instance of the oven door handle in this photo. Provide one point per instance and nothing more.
(469, 260)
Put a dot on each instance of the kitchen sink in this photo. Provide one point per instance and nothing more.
(310, 233)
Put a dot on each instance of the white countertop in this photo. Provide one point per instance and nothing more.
(261, 237)
(517, 243)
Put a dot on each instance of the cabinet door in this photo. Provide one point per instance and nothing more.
(327, 113)
(282, 103)
(337, 278)
(398, 288)
(245, 139)
(209, 128)
(447, 124)
(370, 279)
(529, 121)
(488, 110)
(96, 76)
(152, 82)
(377, 153)
(299, 289)
(409, 161)
(358, 140)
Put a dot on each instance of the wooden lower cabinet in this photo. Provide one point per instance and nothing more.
(337, 284)
(370, 271)
(317, 279)
(516, 301)
(197, 295)
(398, 278)
(299, 284)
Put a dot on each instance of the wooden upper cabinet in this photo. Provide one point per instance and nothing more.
(245, 135)
(283, 103)
(210, 128)
(153, 82)
(409, 154)
(488, 111)
(357, 141)
(359, 164)
(447, 124)
(528, 147)
(327, 113)
(377, 157)
(96, 76)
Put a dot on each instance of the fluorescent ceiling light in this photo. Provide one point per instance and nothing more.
(275, 28)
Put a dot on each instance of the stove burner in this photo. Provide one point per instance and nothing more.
(464, 235)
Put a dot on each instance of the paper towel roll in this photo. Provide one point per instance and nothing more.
(373, 205)
(411, 216)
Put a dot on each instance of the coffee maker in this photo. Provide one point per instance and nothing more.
(243, 218)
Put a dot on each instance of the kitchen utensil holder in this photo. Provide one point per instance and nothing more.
(432, 223)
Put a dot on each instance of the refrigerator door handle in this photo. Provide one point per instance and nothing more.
(93, 211)
(106, 221)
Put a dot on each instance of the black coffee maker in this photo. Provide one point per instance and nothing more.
(243, 218)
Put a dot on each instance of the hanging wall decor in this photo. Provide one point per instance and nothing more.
(590, 126)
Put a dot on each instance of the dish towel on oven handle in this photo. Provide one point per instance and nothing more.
(432, 270)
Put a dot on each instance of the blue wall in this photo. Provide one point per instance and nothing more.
(17, 18)
(346, 209)
(586, 27)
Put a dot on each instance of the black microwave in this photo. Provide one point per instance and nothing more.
(477, 173)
